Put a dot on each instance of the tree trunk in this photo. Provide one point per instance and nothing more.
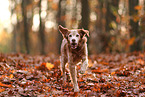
(134, 31)
(142, 25)
(14, 40)
(26, 31)
(109, 15)
(111, 6)
(99, 13)
(99, 28)
(60, 21)
(85, 14)
(41, 31)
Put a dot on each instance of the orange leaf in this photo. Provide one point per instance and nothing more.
(138, 7)
(11, 76)
(13, 71)
(131, 41)
(45, 66)
(96, 89)
(118, 84)
(105, 70)
(104, 63)
(97, 71)
(112, 73)
(49, 66)
(5, 85)
(1, 90)
(140, 61)
(90, 64)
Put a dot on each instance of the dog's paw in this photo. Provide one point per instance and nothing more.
(82, 71)
(76, 89)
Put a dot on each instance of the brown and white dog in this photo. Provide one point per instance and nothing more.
(73, 51)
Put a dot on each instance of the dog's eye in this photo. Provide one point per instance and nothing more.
(77, 35)
(70, 35)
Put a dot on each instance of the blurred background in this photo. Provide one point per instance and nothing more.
(31, 26)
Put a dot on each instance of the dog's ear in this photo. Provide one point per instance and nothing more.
(64, 31)
(83, 32)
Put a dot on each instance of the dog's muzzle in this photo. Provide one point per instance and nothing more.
(74, 45)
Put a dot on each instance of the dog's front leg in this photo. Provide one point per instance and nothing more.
(62, 67)
(84, 65)
(84, 61)
(73, 73)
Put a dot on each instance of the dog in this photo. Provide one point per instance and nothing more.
(73, 50)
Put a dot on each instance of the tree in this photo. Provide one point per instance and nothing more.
(100, 26)
(111, 11)
(14, 35)
(60, 21)
(134, 30)
(26, 31)
(41, 31)
(142, 25)
(85, 14)
(111, 7)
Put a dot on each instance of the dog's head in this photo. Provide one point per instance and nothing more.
(73, 36)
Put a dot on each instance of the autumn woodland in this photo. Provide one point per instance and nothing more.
(30, 47)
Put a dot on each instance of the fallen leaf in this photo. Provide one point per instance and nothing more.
(90, 63)
(5, 85)
(45, 66)
(112, 73)
(11, 76)
(1, 90)
(49, 66)
(138, 7)
(140, 61)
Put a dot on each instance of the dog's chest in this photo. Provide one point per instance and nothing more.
(77, 54)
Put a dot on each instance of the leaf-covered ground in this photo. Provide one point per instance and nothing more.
(39, 76)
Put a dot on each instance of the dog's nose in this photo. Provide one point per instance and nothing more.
(73, 40)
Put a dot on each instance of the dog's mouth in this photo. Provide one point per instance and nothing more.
(74, 45)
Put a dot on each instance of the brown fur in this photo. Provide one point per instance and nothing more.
(73, 55)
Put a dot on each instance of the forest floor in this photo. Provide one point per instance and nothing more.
(112, 75)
